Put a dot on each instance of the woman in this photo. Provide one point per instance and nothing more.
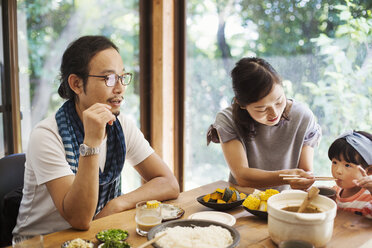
(264, 134)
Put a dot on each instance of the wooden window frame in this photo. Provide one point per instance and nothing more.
(162, 77)
(12, 113)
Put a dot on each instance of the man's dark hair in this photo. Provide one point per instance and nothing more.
(76, 60)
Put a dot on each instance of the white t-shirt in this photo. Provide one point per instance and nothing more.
(46, 161)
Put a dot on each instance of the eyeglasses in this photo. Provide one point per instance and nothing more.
(112, 79)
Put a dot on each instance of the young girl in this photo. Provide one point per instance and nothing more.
(264, 134)
(351, 156)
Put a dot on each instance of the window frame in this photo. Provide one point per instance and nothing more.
(11, 101)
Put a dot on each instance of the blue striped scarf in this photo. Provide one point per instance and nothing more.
(71, 129)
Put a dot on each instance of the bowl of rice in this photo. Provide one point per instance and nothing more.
(194, 233)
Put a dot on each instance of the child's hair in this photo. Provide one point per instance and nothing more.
(341, 149)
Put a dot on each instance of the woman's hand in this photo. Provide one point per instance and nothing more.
(303, 183)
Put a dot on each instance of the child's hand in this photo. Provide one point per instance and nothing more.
(365, 181)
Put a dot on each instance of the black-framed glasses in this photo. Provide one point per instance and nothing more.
(112, 79)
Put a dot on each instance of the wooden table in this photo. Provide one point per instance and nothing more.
(350, 230)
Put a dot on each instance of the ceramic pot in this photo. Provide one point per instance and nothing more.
(316, 228)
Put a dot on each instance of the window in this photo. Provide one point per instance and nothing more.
(45, 28)
(322, 50)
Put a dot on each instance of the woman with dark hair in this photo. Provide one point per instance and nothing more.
(264, 134)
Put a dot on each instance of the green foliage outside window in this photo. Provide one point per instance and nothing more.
(322, 50)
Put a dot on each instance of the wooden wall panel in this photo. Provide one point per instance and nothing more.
(162, 98)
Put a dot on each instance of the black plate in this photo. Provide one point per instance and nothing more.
(192, 223)
(219, 206)
(260, 214)
(102, 240)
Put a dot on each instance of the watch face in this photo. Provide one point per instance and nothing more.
(83, 149)
(86, 150)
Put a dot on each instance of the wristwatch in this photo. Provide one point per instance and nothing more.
(87, 151)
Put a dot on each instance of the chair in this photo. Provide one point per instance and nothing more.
(12, 169)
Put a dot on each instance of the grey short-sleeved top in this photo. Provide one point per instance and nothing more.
(274, 147)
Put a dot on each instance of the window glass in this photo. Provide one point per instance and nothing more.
(322, 50)
(45, 28)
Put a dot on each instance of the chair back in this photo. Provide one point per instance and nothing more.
(12, 169)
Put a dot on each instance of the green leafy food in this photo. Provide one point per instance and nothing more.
(112, 234)
(115, 244)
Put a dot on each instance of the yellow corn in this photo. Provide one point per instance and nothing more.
(152, 204)
(251, 202)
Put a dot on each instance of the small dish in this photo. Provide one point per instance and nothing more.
(328, 192)
(122, 244)
(171, 212)
(258, 213)
(112, 234)
(221, 217)
(219, 206)
(89, 244)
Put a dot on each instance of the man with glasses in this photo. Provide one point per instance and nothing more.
(75, 157)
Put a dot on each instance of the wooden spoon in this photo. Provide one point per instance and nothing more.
(313, 192)
(152, 241)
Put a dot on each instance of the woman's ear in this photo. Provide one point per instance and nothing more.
(236, 101)
(75, 83)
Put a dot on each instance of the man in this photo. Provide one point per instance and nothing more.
(75, 157)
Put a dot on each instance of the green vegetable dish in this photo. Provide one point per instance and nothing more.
(115, 244)
(112, 234)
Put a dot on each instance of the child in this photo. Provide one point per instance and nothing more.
(351, 156)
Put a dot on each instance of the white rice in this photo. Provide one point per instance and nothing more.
(198, 237)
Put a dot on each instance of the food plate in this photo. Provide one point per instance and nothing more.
(260, 214)
(112, 234)
(221, 217)
(193, 223)
(171, 212)
(89, 243)
(115, 244)
(219, 206)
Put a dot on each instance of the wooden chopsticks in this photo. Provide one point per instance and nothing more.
(294, 177)
(152, 241)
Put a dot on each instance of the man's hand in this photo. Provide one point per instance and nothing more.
(114, 206)
(95, 119)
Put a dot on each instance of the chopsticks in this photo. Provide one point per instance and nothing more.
(152, 241)
(294, 177)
